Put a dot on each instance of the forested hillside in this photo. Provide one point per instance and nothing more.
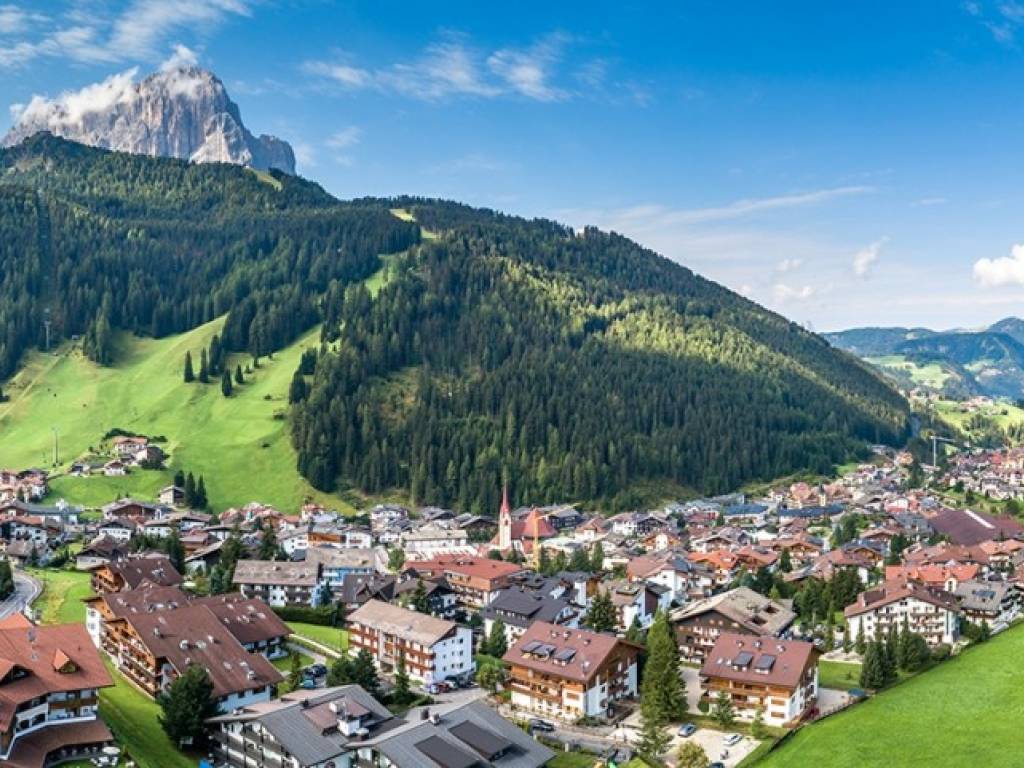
(108, 240)
(577, 366)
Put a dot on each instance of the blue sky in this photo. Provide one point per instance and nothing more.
(844, 164)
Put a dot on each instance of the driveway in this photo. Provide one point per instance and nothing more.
(831, 698)
(26, 590)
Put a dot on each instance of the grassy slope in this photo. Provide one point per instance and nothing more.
(961, 712)
(930, 375)
(1003, 414)
(838, 674)
(63, 592)
(332, 637)
(236, 443)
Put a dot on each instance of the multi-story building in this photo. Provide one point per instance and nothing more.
(50, 679)
(257, 628)
(570, 673)
(777, 677)
(146, 570)
(346, 726)
(153, 648)
(517, 608)
(432, 539)
(434, 649)
(740, 611)
(932, 613)
(475, 580)
(335, 564)
(278, 583)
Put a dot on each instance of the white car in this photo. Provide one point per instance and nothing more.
(732, 739)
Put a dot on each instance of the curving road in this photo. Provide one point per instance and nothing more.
(26, 590)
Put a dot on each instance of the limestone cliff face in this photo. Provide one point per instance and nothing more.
(183, 112)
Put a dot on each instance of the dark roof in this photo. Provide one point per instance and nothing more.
(522, 607)
(964, 526)
(446, 754)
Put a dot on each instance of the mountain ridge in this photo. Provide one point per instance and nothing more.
(182, 112)
(987, 361)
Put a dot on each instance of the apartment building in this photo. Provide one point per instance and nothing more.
(570, 673)
(932, 613)
(434, 649)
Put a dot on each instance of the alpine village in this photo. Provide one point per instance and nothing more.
(288, 481)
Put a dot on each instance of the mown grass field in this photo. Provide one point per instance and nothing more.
(332, 637)
(1002, 414)
(239, 444)
(930, 375)
(839, 675)
(63, 592)
(963, 712)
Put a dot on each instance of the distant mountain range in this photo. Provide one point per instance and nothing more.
(182, 112)
(987, 361)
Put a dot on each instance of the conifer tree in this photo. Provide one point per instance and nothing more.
(201, 501)
(402, 693)
(860, 644)
(663, 692)
(597, 558)
(295, 672)
(225, 384)
(239, 378)
(186, 705)
(654, 739)
(602, 615)
(297, 389)
(497, 642)
(189, 375)
(722, 710)
(204, 367)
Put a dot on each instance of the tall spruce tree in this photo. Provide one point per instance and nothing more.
(601, 617)
(189, 375)
(186, 706)
(663, 691)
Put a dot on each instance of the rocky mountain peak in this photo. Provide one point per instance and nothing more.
(182, 111)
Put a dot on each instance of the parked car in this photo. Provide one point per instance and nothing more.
(308, 684)
(717, 765)
(732, 739)
(686, 730)
(536, 724)
(317, 670)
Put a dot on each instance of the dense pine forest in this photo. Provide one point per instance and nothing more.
(575, 366)
(95, 241)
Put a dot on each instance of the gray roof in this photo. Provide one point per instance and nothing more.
(744, 606)
(400, 745)
(521, 608)
(288, 720)
(985, 596)
(351, 557)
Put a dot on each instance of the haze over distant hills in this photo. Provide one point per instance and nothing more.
(182, 111)
(987, 361)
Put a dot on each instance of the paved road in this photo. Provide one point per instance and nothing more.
(26, 590)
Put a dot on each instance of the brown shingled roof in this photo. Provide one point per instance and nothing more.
(763, 660)
(546, 641)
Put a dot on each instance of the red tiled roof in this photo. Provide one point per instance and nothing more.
(33, 649)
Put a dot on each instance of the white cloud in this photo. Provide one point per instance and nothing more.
(926, 202)
(139, 31)
(1006, 270)
(71, 106)
(341, 140)
(528, 72)
(305, 155)
(145, 24)
(451, 68)
(788, 265)
(867, 256)
(787, 293)
(180, 57)
(345, 138)
(14, 20)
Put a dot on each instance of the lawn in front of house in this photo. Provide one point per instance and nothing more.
(333, 637)
(960, 712)
(133, 719)
(63, 592)
(840, 675)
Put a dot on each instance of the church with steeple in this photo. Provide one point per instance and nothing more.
(522, 534)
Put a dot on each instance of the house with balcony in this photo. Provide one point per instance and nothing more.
(564, 673)
(50, 678)
(927, 611)
(434, 649)
(739, 611)
(132, 573)
(278, 583)
(777, 677)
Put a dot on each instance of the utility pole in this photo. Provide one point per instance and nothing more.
(935, 448)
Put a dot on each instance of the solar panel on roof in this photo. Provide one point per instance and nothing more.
(444, 754)
(565, 654)
(743, 659)
(487, 743)
(765, 663)
(531, 646)
(545, 650)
